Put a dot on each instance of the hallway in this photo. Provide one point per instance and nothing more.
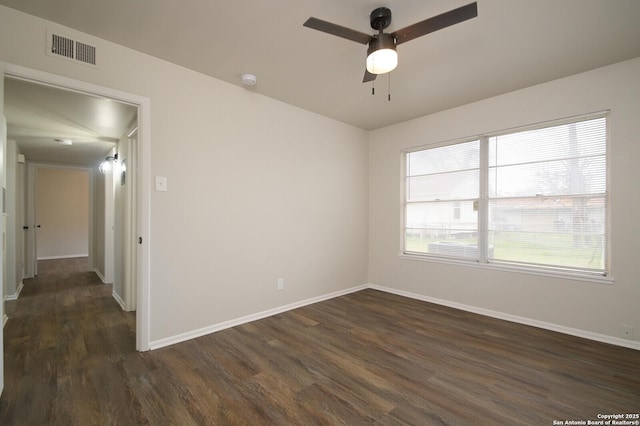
(65, 345)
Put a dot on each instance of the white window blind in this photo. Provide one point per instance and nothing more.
(535, 198)
(547, 198)
(442, 188)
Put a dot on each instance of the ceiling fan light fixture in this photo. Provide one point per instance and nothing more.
(382, 56)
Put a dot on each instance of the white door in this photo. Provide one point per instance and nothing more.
(3, 151)
(31, 261)
(130, 241)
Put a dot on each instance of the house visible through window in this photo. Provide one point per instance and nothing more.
(531, 197)
(456, 210)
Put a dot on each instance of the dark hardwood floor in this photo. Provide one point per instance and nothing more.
(364, 358)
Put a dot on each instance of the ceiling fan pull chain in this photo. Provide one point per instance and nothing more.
(389, 89)
(373, 88)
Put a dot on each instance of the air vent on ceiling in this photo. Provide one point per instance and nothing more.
(67, 48)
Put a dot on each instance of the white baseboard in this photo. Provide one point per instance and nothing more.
(118, 299)
(248, 318)
(66, 256)
(632, 344)
(99, 274)
(618, 341)
(15, 295)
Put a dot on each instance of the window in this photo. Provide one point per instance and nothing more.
(533, 198)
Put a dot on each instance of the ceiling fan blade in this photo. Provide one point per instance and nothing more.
(368, 77)
(337, 30)
(436, 23)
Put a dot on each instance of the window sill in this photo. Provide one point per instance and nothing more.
(575, 276)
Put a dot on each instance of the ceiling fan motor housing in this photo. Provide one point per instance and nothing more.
(380, 18)
(381, 41)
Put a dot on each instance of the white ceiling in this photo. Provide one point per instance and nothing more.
(37, 115)
(510, 45)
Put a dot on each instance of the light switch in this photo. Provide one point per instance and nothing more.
(161, 183)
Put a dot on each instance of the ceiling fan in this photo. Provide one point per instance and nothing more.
(381, 54)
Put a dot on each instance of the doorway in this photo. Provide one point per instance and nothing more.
(136, 209)
(60, 207)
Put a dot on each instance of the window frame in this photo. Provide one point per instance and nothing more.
(483, 261)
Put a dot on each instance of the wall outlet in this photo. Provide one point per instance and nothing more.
(280, 284)
(627, 332)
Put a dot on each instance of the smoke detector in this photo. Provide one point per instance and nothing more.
(249, 79)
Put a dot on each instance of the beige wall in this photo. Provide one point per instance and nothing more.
(587, 306)
(62, 211)
(260, 190)
(257, 189)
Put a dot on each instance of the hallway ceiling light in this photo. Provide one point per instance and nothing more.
(64, 142)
